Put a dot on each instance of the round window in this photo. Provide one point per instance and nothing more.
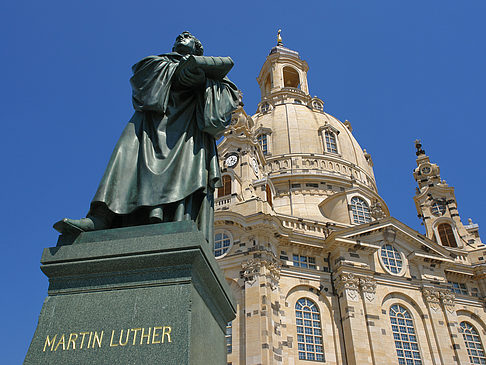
(222, 243)
(391, 259)
(438, 209)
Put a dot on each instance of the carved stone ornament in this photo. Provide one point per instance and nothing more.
(269, 268)
(448, 300)
(251, 269)
(348, 284)
(368, 288)
(431, 297)
(389, 234)
(377, 211)
(273, 274)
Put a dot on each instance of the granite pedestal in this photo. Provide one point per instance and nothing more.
(150, 294)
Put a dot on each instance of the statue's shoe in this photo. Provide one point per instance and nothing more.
(74, 226)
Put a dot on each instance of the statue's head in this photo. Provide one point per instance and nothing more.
(186, 43)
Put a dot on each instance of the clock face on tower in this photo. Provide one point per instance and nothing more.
(425, 170)
(231, 160)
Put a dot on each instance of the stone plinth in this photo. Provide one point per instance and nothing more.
(139, 295)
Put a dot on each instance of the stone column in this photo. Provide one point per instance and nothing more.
(262, 310)
(353, 320)
(442, 349)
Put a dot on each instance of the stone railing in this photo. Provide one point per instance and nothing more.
(316, 165)
(224, 202)
(307, 226)
(294, 90)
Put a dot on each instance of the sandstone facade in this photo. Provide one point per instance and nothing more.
(320, 270)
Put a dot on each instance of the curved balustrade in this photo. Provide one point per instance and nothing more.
(322, 164)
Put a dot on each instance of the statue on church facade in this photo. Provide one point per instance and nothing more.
(165, 166)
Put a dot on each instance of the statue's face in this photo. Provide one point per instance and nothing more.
(185, 44)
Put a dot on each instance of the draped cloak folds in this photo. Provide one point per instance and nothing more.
(167, 153)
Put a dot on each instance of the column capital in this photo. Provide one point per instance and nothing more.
(261, 266)
(367, 284)
(431, 297)
(348, 284)
(448, 299)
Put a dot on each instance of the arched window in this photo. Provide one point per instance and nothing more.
(446, 235)
(330, 139)
(268, 84)
(226, 188)
(262, 139)
(403, 330)
(473, 343)
(309, 333)
(360, 210)
(222, 243)
(291, 77)
(268, 192)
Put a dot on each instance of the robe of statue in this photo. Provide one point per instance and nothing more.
(167, 155)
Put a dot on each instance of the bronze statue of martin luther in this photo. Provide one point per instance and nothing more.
(165, 167)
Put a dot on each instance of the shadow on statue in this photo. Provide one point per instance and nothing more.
(136, 281)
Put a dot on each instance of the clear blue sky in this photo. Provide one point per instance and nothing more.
(398, 70)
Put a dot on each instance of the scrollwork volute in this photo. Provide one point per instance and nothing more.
(348, 285)
(368, 287)
(448, 300)
(431, 297)
(251, 269)
(255, 267)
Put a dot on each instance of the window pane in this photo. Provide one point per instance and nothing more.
(473, 343)
(360, 211)
(406, 346)
(310, 345)
(222, 243)
(394, 264)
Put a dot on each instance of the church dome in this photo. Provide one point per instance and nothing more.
(314, 164)
(296, 128)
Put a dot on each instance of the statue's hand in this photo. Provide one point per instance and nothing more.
(192, 78)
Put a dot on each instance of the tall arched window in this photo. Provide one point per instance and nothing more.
(226, 188)
(473, 343)
(262, 139)
(268, 192)
(403, 330)
(309, 333)
(360, 210)
(330, 139)
(446, 235)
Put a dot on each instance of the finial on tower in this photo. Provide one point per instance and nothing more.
(279, 38)
(418, 146)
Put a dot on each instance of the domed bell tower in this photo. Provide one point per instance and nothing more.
(436, 205)
(316, 167)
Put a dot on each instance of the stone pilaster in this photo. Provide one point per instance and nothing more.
(448, 301)
(262, 310)
(373, 317)
(442, 349)
(353, 319)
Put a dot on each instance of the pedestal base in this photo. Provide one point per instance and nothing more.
(139, 295)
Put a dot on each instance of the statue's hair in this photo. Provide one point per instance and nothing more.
(199, 47)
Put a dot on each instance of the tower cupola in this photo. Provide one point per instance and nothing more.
(284, 74)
